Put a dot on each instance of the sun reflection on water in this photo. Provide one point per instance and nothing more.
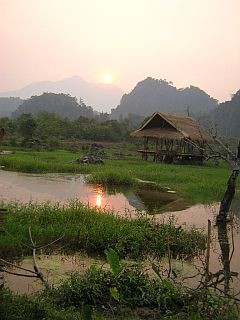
(99, 198)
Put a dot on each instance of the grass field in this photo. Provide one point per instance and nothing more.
(91, 231)
(197, 184)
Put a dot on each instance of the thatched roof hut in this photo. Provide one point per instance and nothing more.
(173, 127)
(177, 138)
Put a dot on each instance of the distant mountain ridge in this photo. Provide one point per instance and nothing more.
(8, 105)
(101, 97)
(62, 104)
(225, 119)
(151, 95)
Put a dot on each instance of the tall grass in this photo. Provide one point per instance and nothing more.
(196, 184)
(135, 289)
(91, 231)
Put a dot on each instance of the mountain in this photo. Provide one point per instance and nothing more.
(62, 104)
(8, 105)
(101, 97)
(151, 95)
(225, 119)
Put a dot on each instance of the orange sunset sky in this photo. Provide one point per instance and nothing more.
(122, 42)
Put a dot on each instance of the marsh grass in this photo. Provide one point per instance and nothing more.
(48, 305)
(194, 183)
(162, 298)
(112, 178)
(89, 230)
(41, 162)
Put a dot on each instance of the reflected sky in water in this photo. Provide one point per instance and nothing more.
(62, 188)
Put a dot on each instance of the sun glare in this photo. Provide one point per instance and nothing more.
(99, 198)
(107, 78)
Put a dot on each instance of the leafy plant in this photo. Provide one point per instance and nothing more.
(113, 261)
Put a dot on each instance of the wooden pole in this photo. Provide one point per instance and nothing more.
(229, 194)
(208, 252)
(225, 254)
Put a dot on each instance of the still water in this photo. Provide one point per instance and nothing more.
(62, 188)
(225, 242)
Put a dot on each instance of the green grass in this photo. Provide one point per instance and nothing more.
(134, 288)
(137, 296)
(195, 183)
(91, 231)
(41, 162)
(112, 178)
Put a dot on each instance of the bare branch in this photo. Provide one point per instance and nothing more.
(30, 236)
(49, 244)
(18, 274)
(16, 266)
(35, 265)
(226, 148)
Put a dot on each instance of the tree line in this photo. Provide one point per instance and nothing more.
(48, 129)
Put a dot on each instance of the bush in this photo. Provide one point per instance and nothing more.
(132, 289)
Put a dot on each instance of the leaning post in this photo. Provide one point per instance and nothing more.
(229, 193)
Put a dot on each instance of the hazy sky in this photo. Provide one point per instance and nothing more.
(184, 41)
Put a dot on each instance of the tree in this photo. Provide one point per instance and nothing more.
(27, 126)
(62, 104)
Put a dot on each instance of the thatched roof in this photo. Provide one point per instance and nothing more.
(172, 127)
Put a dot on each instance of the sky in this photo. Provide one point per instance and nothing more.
(188, 42)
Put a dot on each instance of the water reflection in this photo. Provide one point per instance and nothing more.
(225, 251)
(99, 197)
(224, 264)
(62, 188)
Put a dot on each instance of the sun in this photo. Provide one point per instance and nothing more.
(106, 78)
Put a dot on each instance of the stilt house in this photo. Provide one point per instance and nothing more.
(173, 138)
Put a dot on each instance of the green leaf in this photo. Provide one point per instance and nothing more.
(114, 293)
(156, 270)
(113, 261)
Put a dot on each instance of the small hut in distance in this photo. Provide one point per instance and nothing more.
(173, 138)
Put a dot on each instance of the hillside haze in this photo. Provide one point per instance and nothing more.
(62, 104)
(151, 95)
(225, 119)
(8, 105)
(102, 97)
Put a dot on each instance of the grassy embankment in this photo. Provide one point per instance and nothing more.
(84, 229)
(87, 230)
(195, 183)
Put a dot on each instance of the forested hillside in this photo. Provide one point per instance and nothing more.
(225, 119)
(8, 105)
(63, 105)
(151, 95)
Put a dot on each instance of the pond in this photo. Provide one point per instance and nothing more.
(62, 188)
(225, 242)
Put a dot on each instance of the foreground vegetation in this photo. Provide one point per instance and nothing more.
(130, 293)
(85, 229)
(124, 292)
